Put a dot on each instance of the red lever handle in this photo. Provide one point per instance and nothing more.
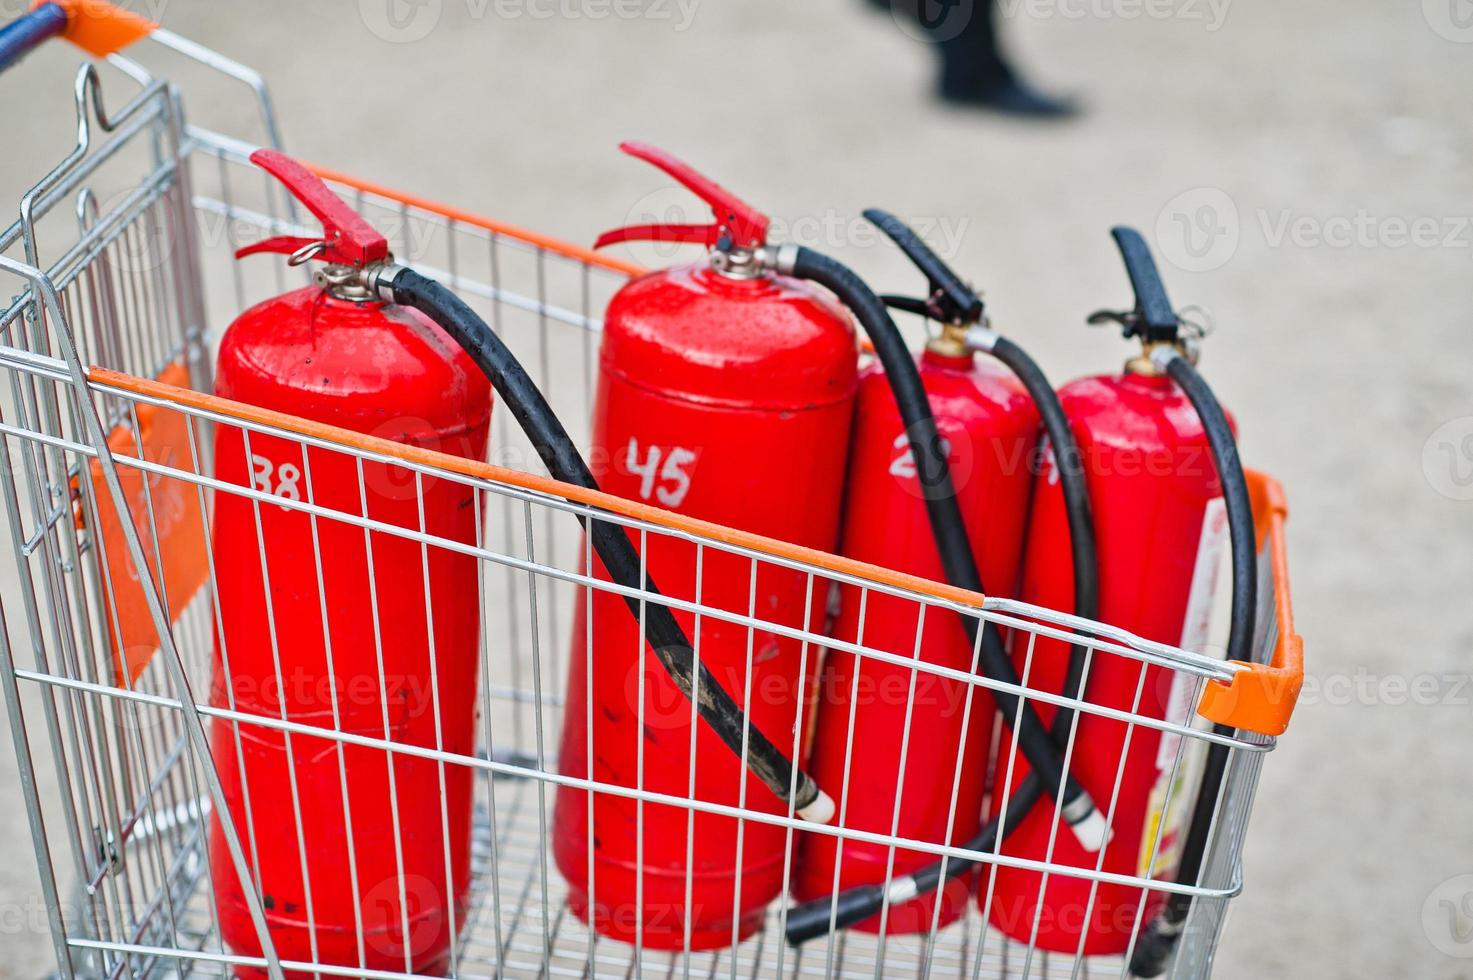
(743, 225)
(346, 238)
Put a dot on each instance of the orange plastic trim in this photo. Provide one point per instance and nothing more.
(1262, 697)
(173, 540)
(100, 28)
(537, 484)
(546, 242)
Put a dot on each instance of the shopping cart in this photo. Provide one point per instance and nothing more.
(123, 276)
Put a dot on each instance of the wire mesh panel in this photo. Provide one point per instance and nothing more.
(385, 724)
(324, 703)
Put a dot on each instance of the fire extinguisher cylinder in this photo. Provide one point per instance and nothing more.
(375, 867)
(1161, 408)
(711, 373)
(934, 474)
(1158, 940)
(960, 310)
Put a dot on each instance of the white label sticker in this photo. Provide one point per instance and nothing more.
(1164, 834)
(1210, 546)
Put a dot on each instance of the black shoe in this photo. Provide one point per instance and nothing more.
(1011, 97)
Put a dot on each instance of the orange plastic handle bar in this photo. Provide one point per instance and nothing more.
(100, 28)
(1261, 698)
(538, 484)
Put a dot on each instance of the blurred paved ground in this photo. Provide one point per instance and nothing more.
(1318, 153)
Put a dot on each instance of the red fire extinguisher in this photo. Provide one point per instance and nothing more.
(725, 393)
(1162, 520)
(361, 856)
(869, 708)
(949, 769)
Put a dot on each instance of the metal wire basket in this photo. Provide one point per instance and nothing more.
(123, 275)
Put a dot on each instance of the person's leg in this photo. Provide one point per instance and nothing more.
(965, 35)
(974, 71)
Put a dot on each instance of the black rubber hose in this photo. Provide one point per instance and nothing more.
(664, 635)
(814, 918)
(1072, 481)
(1155, 944)
(934, 473)
(1244, 543)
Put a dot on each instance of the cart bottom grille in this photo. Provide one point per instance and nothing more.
(531, 932)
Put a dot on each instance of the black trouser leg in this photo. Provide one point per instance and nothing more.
(965, 35)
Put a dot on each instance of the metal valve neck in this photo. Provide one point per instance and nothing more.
(740, 263)
(356, 283)
(953, 340)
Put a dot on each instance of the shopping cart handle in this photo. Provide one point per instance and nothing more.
(97, 27)
(24, 34)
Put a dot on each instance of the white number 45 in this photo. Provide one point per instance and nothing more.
(668, 484)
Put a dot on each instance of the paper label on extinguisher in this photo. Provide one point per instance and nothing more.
(1171, 799)
(1210, 547)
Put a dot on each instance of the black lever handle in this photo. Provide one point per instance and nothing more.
(951, 299)
(1153, 318)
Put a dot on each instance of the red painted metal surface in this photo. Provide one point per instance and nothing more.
(1151, 483)
(991, 428)
(332, 868)
(728, 400)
